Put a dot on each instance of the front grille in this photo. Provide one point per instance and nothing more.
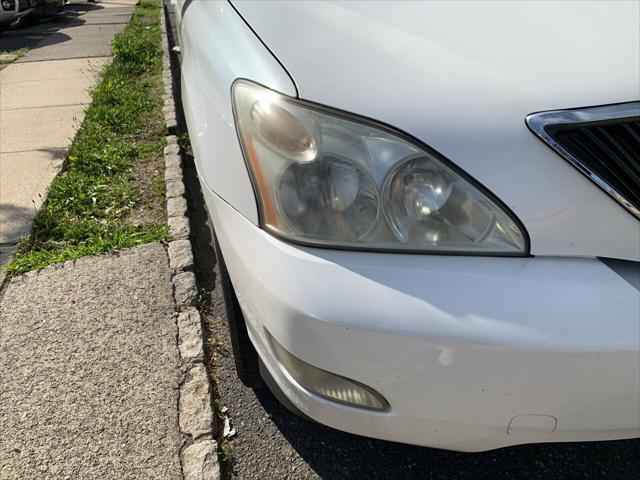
(602, 142)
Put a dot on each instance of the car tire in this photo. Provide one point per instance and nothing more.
(244, 353)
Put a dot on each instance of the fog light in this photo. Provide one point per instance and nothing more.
(9, 4)
(328, 385)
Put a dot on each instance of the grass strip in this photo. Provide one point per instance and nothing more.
(111, 193)
(9, 56)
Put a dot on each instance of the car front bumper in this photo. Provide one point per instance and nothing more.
(461, 347)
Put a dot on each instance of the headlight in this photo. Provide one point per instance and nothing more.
(325, 178)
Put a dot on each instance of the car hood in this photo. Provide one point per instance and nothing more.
(461, 77)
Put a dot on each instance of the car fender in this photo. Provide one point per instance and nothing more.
(217, 48)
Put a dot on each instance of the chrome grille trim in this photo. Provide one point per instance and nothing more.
(538, 122)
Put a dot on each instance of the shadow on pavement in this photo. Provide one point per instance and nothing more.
(85, 7)
(336, 455)
(44, 32)
(15, 222)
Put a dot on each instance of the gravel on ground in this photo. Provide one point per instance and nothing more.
(89, 370)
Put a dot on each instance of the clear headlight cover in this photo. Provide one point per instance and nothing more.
(326, 178)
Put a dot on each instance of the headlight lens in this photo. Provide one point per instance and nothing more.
(328, 198)
(327, 179)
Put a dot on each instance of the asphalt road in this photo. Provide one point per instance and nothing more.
(272, 443)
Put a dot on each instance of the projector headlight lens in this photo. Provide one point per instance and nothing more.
(328, 198)
(329, 179)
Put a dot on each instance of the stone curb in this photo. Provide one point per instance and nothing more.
(194, 412)
(200, 461)
(190, 340)
(199, 454)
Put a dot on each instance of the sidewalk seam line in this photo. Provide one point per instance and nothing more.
(45, 106)
(21, 61)
(41, 150)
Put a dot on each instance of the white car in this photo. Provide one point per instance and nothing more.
(428, 213)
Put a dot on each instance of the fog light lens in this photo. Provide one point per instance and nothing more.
(328, 385)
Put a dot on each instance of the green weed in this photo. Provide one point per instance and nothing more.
(225, 454)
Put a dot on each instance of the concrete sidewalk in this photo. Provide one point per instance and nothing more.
(42, 101)
(102, 371)
(89, 368)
